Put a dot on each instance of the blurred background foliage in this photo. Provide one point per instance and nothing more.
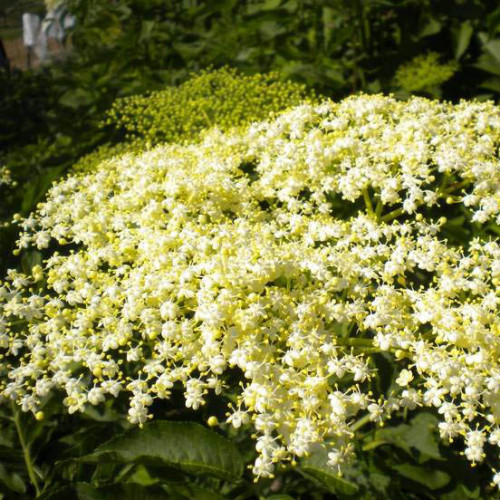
(90, 104)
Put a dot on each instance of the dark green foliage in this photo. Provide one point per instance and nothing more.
(171, 444)
(97, 455)
(336, 46)
(26, 101)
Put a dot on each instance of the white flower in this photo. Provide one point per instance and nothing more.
(95, 396)
(404, 378)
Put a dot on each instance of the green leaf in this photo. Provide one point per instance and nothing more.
(493, 47)
(147, 476)
(463, 38)
(431, 478)
(491, 84)
(385, 372)
(12, 481)
(431, 28)
(35, 190)
(461, 492)
(379, 482)
(488, 63)
(182, 445)
(125, 491)
(30, 259)
(266, 5)
(189, 50)
(494, 22)
(75, 98)
(194, 492)
(419, 434)
(147, 28)
(140, 475)
(392, 436)
(315, 466)
(28, 198)
(457, 221)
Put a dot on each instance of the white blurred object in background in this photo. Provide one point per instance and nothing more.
(37, 32)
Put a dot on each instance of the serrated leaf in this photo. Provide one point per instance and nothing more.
(182, 445)
(431, 478)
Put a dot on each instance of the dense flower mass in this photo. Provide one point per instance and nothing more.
(424, 73)
(224, 98)
(290, 251)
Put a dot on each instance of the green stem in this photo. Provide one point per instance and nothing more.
(361, 423)
(456, 186)
(369, 350)
(368, 202)
(494, 228)
(26, 450)
(207, 118)
(348, 331)
(17, 322)
(392, 215)
(444, 182)
(354, 342)
(443, 191)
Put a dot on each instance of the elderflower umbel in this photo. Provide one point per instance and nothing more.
(290, 250)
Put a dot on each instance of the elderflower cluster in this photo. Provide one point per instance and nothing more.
(288, 252)
(224, 98)
(424, 73)
(6, 177)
